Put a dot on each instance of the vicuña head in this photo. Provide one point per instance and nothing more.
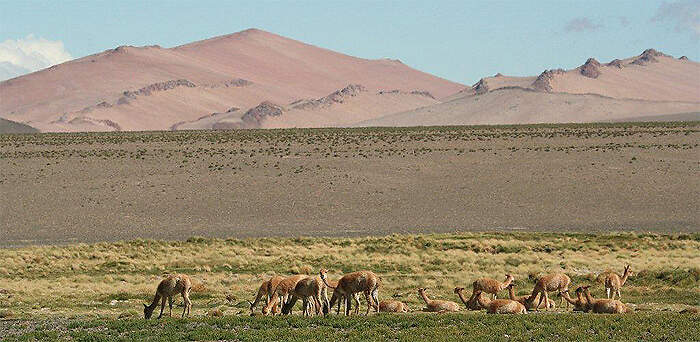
(324, 274)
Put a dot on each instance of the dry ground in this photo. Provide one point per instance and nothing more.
(88, 187)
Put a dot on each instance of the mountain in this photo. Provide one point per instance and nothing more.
(651, 86)
(257, 79)
(154, 88)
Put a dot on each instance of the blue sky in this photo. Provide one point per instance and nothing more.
(457, 40)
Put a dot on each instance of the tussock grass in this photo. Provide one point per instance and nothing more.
(111, 279)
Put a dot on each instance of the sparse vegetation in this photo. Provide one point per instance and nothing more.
(570, 177)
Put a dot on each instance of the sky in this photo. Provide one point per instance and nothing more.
(458, 40)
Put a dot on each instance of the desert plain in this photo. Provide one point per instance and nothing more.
(91, 187)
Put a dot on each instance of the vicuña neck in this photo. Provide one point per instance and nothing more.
(156, 299)
(507, 282)
(461, 297)
(480, 299)
(425, 297)
(511, 292)
(624, 277)
(568, 298)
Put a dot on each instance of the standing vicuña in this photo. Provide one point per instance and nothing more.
(613, 283)
(337, 297)
(603, 305)
(309, 287)
(265, 291)
(362, 281)
(437, 305)
(488, 285)
(496, 306)
(168, 287)
(547, 283)
(281, 292)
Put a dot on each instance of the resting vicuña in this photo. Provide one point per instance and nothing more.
(496, 306)
(390, 305)
(609, 306)
(437, 305)
(580, 303)
(528, 301)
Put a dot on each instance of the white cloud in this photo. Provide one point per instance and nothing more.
(684, 14)
(18, 57)
(581, 24)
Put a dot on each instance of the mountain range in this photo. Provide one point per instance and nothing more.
(257, 79)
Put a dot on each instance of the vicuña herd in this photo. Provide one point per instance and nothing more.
(280, 294)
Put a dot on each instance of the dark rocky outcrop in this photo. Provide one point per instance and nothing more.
(87, 120)
(544, 80)
(338, 96)
(422, 93)
(254, 116)
(648, 56)
(160, 86)
(413, 92)
(384, 92)
(615, 63)
(233, 83)
(481, 87)
(590, 69)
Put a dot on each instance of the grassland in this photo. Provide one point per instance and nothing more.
(91, 187)
(95, 291)
(409, 327)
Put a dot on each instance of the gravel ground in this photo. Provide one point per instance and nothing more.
(72, 188)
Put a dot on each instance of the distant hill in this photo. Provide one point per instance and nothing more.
(7, 126)
(652, 85)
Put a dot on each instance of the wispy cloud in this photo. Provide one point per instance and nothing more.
(30, 54)
(684, 14)
(581, 24)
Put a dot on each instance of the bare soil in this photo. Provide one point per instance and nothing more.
(67, 188)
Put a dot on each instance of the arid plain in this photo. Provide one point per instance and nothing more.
(94, 220)
(90, 187)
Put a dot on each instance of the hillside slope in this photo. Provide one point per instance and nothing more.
(153, 88)
(7, 126)
(525, 106)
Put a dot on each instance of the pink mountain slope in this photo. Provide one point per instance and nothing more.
(154, 88)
